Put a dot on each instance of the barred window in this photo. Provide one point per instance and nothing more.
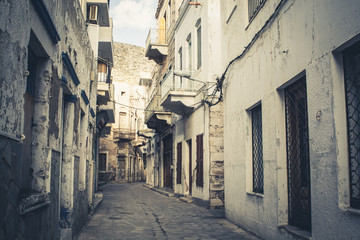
(257, 150)
(254, 7)
(298, 161)
(352, 91)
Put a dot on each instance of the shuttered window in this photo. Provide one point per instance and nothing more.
(199, 161)
(179, 163)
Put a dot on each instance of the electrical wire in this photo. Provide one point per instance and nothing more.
(220, 81)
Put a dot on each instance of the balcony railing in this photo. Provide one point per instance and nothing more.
(124, 133)
(254, 7)
(156, 37)
(177, 83)
(153, 106)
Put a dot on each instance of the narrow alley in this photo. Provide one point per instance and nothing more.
(131, 211)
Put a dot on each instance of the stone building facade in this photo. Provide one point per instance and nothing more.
(121, 151)
(187, 156)
(48, 97)
(291, 72)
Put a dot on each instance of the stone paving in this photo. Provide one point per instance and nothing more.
(131, 211)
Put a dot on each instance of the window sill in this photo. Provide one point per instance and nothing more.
(33, 202)
(350, 210)
(297, 231)
(255, 194)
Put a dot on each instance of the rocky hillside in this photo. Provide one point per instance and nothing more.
(130, 63)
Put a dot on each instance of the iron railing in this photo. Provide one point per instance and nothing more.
(153, 106)
(257, 150)
(352, 88)
(253, 7)
(298, 155)
(177, 83)
(156, 37)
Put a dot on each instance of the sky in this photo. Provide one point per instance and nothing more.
(132, 20)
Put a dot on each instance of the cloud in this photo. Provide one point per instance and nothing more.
(135, 14)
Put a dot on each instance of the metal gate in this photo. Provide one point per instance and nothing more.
(298, 155)
(352, 87)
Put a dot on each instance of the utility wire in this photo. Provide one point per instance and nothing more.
(220, 81)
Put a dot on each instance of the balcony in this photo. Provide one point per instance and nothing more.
(178, 93)
(124, 134)
(156, 45)
(106, 43)
(104, 93)
(105, 96)
(156, 117)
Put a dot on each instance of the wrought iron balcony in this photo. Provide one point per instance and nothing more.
(156, 45)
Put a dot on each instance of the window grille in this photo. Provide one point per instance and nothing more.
(298, 162)
(257, 150)
(254, 7)
(179, 163)
(352, 91)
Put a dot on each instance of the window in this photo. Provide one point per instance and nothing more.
(352, 88)
(189, 53)
(179, 163)
(93, 11)
(298, 163)
(199, 161)
(254, 7)
(122, 119)
(198, 34)
(102, 72)
(257, 150)
(102, 161)
(180, 64)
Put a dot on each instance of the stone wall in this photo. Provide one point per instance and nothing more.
(216, 145)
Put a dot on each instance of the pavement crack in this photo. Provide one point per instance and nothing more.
(159, 224)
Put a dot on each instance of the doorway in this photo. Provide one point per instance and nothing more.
(167, 157)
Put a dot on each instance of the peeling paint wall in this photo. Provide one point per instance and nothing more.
(32, 211)
(303, 37)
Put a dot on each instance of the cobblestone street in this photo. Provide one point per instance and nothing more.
(131, 211)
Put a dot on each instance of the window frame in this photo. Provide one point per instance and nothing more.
(106, 161)
(199, 160)
(257, 150)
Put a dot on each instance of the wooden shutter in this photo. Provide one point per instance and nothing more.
(179, 163)
(199, 161)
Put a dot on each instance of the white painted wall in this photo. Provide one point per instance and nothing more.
(198, 122)
(304, 36)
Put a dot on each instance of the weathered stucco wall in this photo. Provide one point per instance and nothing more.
(300, 39)
(31, 210)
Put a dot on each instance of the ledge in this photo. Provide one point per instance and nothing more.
(255, 194)
(33, 202)
(350, 210)
(297, 231)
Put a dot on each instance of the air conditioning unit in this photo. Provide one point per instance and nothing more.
(93, 13)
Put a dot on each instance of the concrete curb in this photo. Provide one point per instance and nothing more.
(165, 193)
(185, 199)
